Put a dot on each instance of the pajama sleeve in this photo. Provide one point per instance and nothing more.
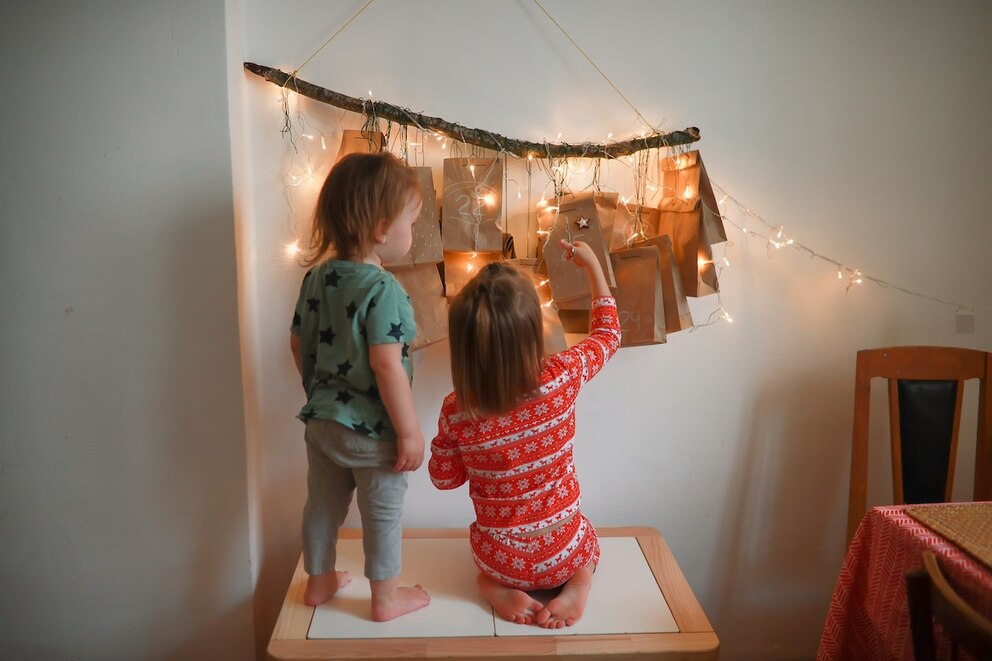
(446, 468)
(586, 358)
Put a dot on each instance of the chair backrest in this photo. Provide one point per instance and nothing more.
(926, 386)
(930, 598)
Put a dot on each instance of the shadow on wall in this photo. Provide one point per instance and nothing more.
(199, 480)
(779, 541)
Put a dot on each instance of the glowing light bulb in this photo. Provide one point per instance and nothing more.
(530, 157)
(688, 192)
(444, 145)
(543, 282)
(702, 261)
(548, 304)
(293, 249)
(469, 267)
(840, 276)
(558, 138)
(726, 262)
(490, 199)
(727, 317)
(724, 200)
(471, 168)
(609, 135)
(680, 163)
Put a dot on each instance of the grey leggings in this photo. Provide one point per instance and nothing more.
(339, 461)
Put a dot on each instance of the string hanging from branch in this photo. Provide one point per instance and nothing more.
(477, 137)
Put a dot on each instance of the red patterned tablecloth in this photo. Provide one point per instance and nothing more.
(868, 616)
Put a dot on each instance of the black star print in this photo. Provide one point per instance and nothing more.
(351, 310)
(307, 275)
(323, 381)
(406, 350)
(361, 428)
(312, 357)
(313, 303)
(344, 367)
(379, 427)
(373, 391)
(344, 397)
(296, 320)
(331, 279)
(371, 305)
(396, 330)
(307, 414)
(327, 335)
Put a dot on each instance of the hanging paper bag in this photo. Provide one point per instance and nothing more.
(577, 220)
(430, 308)
(692, 253)
(461, 266)
(677, 314)
(554, 334)
(632, 223)
(687, 187)
(640, 303)
(360, 142)
(472, 204)
(426, 247)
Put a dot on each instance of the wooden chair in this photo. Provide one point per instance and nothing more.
(931, 598)
(926, 386)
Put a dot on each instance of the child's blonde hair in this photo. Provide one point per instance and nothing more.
(496, 334)
(361, 191)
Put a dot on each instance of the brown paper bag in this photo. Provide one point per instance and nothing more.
(554, 334)
(692, 252)
(426, 247)
(430, 309)
(632, 223)
(687, 187)
(677, 314)
(461, 266)
(577, 220)
(639, 295)
(360, 142)
(472, 204)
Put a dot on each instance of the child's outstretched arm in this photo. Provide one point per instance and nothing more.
(586, 358)
(446, 468)
(394, 388)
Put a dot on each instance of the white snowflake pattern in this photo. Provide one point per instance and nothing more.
(562, 433)
(530, 447)
(541, 409)
(523, 415)
(536, 505)
(490, 511)
(570, 391)
(559, 401)
(547, 441)
(505, 488)
(501, 556)
(445, 465)
(524, 483)
(490, 489)
(521, 510)
(518, 563)
(514, 453)
(504, 421)
(486, 427)
(505, 511)
(487, 548)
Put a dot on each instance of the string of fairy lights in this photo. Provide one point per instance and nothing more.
(643, 183)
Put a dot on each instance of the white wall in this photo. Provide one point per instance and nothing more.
(861, 127)
(123, 518)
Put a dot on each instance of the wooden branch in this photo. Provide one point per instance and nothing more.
(478, 137)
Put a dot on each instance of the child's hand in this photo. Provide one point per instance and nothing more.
(579, 252)
(410, 452)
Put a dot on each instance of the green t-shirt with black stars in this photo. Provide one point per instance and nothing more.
(343, 308)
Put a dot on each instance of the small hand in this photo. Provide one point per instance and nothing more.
(580, 252)
(410, 453)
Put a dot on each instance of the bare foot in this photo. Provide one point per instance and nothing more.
(321, 587)
(509, 603)
(389, 601)
(566, 609)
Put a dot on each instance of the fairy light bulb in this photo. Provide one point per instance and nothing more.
(723, 201)
(702, 261)
(688, 192)
(489, 199)
(471, 168)
(293, 249)
(840, 276)
(727, 317)
(323, 143)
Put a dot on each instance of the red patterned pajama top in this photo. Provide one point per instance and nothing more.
(520, 472)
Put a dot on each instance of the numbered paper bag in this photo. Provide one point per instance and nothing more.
(554, 334)
(677, 314)
(430, 308)
(577, 220)
(472, 204)
(692, 252)
(461, 266)
(640, 302)
(360, 142)
(687, 187)
(426, 247)
(632, 223)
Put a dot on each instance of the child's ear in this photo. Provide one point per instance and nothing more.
(381, 228)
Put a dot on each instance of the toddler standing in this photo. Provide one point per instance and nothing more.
(350, 339)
